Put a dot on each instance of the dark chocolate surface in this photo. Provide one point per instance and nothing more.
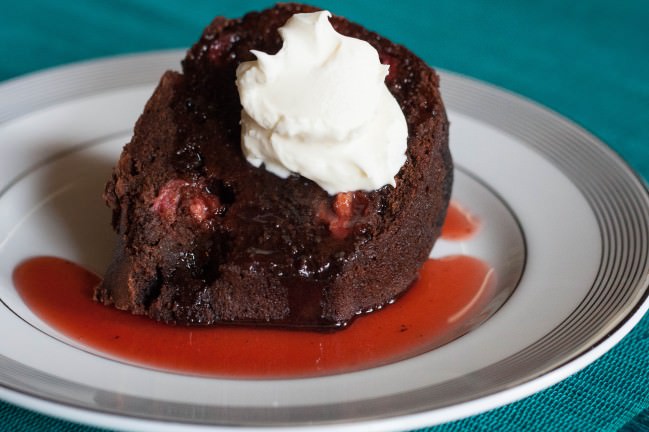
(205, 237)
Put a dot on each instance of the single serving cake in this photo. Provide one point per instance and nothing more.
(300, 184)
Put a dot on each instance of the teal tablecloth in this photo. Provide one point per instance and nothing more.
(587, 60)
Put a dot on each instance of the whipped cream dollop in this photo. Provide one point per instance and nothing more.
(320, 108)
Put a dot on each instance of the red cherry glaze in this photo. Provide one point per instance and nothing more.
(434, 311)
(439, 307)
(459, 223)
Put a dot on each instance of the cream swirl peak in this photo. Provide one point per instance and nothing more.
(320, 108)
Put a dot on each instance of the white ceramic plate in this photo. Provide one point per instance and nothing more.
(564, 224)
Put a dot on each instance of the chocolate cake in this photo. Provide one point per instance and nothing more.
(205, 237)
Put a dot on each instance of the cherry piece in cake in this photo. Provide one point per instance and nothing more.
(205, 237)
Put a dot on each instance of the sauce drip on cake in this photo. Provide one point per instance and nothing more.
(442, 305)
(205, 237)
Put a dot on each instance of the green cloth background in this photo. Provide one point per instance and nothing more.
(587, 60)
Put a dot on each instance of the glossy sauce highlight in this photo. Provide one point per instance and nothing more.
(438, 308)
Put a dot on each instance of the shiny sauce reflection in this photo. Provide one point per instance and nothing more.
(439, 307)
